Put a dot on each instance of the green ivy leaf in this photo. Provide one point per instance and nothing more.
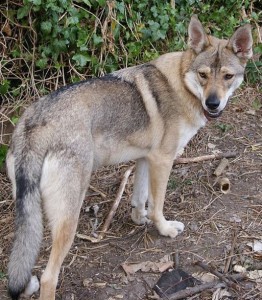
(97, 39)
(23, 12)
(3, 152)
(36, 2)
(4, 87)
(41, 63)
(46, 26)
(87, 3)
(81, 59)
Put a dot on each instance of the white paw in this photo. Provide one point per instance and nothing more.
(32, 287)
(139, 216)
(170, 228)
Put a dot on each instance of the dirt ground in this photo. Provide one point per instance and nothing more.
(219, 228)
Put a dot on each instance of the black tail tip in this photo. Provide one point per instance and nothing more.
(14, 294)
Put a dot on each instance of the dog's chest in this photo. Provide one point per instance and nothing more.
(186, 133)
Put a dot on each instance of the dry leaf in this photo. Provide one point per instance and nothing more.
(161, 266)
(205, 277)
(221, 294)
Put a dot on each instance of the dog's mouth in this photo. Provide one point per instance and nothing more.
(212, 115)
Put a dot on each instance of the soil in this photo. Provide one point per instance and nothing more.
(218, 226)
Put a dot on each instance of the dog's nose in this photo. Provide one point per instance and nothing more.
(212, 102)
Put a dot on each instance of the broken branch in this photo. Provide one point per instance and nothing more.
(186, 160)
(221, 276)
(202, 287)
(115, 204)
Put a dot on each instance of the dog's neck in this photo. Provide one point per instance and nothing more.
(173, 66)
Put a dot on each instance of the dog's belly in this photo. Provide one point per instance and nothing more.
(114, 152)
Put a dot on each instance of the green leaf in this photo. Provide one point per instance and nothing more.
(41, 63)
(72, 20)
(23, 12)
(97, 39)
(3, 152)
(81, 59)
(46, 26)
(87, 2)
(14, 120)
(4, 87)
(36, 2)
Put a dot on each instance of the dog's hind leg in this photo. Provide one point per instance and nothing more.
(63, 186)
(140, 193)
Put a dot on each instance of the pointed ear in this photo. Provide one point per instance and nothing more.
(197, 37)
(241, 42)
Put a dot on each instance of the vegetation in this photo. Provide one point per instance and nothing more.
(46, 44)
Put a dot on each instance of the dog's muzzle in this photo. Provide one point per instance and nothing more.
(212, 103)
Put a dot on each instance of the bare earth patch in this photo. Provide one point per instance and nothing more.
(220, 228)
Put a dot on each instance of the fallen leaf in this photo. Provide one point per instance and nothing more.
(221, 294)
(255, 275)
(205, 277)
(235, 219)
(239, 269)
(161, 266)
(211, 146)
(256, 245)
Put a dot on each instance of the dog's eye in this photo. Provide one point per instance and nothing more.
(228, 76)
(203, 75)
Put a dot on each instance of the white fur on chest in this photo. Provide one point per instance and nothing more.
(186, 132)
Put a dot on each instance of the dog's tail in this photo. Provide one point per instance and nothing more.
(27, 168)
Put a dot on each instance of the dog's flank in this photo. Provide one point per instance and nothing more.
(146, 113)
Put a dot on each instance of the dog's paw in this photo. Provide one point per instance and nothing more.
(170, 228)
(139, 216)
(32, 287)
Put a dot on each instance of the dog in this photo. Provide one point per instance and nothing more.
(146, 113)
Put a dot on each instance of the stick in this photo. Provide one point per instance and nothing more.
(218, 274)
(97, 191)
(205, 286)
(186, 160)
(221, 167)
(115, 204)
(229, 259)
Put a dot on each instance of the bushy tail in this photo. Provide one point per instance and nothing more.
(29, 226)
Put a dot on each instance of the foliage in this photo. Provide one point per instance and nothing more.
(47, 44)
(99, 36)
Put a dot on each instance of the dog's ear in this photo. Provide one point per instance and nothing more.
(241, 42)
(197, 37)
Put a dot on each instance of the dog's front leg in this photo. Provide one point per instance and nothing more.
(159, 170)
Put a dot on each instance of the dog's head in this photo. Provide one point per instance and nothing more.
(215, 68)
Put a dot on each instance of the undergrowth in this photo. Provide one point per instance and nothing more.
(47, 44)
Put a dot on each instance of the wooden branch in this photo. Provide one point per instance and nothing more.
(186, 160)
(221, 276)
(221, 167)
(233, 245)
(115, 204)
(202, 287)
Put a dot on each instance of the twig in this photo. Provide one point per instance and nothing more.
(222, 277)
(115, 204)
(186, 160)
(202, 287)
(229, 259)
(97, 191)
(221, 167)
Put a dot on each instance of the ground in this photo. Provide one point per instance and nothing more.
(218, 226)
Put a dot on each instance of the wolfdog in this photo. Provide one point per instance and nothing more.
(146, 113)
